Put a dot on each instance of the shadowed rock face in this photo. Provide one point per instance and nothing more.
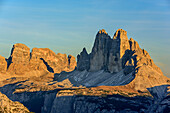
(22, 60)
(83, 60)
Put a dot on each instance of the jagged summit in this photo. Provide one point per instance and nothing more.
(102, 31)
(111, 54)
(22, 61)
(121, 54)
(107, 53)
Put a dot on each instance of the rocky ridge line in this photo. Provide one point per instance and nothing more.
(22, 61)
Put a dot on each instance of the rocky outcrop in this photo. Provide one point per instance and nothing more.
(40, 59)
(3, 64)
(8, 106)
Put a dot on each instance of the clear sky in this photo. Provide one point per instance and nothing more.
(66, 26)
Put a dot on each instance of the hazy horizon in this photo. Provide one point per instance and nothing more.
(68, 26)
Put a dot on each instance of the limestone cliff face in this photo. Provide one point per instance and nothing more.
(40, 59)
(19, 59)
(3, 64)
(54, 62)
(119, 53)
(8, 106)
(107, 54)
(123, 42)
(20, 53)
(100, 50)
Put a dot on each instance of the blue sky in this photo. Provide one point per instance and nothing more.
(66, 26)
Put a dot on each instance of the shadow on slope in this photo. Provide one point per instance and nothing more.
(97, 78)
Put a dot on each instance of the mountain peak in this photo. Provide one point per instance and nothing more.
(120, 55)
(111, 55)
(84, 50)
(120, 34)
(102, 31)
(83, 60)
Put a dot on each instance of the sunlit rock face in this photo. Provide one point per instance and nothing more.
(55, 62)
(3, 64)
(20, 53)
(19, 59)
(123, 42)
(22, 60)
(8, 106)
